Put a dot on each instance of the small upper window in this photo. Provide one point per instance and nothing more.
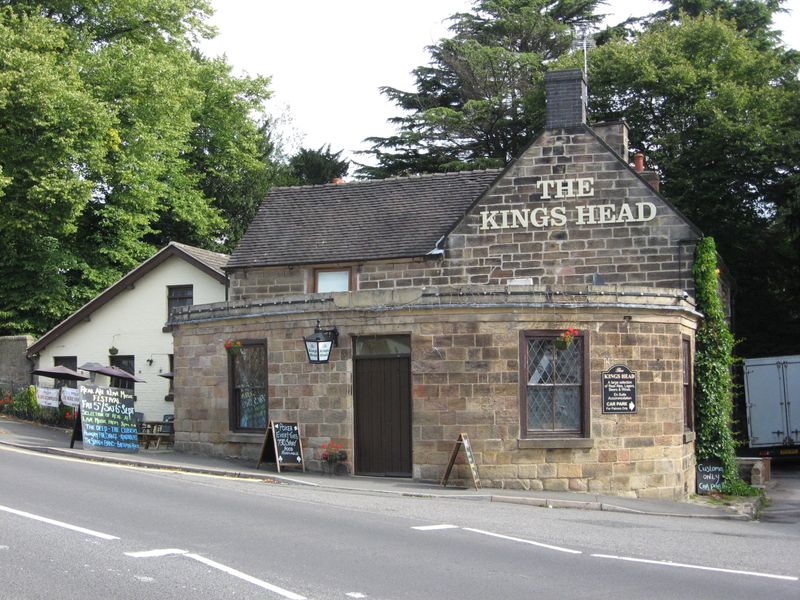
(332, 281)
(179, 295)
(71, 362)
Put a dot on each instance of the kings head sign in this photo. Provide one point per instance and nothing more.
(556, 216)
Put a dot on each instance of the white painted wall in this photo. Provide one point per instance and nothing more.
(133, 323)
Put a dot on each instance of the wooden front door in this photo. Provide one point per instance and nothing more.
(382, 411)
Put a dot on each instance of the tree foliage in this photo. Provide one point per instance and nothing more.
(314, 167)
(480, 98)
(116, 136)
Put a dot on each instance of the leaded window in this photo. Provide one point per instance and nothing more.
(248, 386)
(688, 387)
(554, 402)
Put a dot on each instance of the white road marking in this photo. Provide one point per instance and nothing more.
(28, 515)
(156, 553)
(515, 539)
(246, 577)
(434, 527)
(701, 568)
(355, 595)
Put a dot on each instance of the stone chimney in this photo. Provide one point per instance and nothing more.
(615, 134)
(567, 96)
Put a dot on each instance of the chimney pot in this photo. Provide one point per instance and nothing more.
(638, 162)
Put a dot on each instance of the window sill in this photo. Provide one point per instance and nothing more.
(556, 443)
(244, 438)
(688, 436)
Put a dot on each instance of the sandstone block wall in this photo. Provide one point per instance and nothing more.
(465, 378)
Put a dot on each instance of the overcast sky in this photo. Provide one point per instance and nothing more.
(327, 58)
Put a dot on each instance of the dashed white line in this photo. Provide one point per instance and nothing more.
(246, 577)
(516, 539)
(156, 553)
(27, 515)
(663, 563)
(434, 527)
(355, 595)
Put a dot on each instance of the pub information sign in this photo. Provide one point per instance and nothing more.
(619, 391)
(282, 446)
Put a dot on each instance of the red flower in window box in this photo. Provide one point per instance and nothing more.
(233, 346)
(565, 340)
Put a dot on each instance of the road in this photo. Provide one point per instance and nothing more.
(149, 534)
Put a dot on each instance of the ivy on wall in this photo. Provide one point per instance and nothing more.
(713, 380)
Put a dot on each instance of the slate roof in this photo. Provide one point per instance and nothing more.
(213, 260)
(209, 262)
(369, 220)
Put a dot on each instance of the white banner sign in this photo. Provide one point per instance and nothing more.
(47, 397)
(70, 397)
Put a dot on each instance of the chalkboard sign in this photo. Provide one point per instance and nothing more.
(619, 390)
(107, 421)
(463, 440)
(282, 446)
(709, 475)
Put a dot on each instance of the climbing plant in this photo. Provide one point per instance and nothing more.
(713, 363)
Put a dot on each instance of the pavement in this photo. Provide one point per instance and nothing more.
(55, 441)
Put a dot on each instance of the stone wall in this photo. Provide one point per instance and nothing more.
(15, 368)
(465, 378)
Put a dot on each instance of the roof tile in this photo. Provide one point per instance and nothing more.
(367, 220)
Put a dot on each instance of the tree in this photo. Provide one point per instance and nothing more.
(716, 114)
(312, 167)
(752, 18)
(116, 136)
(480, 99)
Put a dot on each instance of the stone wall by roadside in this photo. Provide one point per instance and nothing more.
(15, 368)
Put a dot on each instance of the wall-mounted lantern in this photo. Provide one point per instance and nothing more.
(320, 343)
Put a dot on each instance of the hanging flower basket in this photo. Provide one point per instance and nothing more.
(113, 351)
(232, 346)
(566, 339)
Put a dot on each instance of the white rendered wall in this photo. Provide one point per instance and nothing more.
(133, 322)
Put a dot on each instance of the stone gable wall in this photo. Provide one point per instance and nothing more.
(484, 249)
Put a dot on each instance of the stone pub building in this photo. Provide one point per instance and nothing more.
(451, 295)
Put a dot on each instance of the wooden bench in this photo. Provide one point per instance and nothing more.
(155, 432)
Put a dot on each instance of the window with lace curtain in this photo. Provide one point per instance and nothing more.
(554, 388)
